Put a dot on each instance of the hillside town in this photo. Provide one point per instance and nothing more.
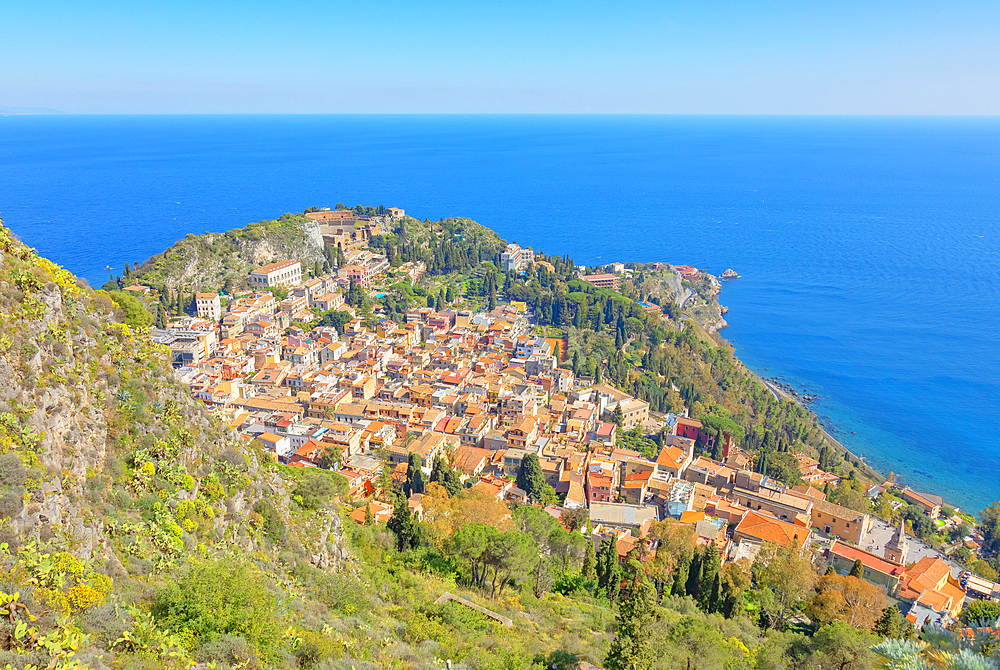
(484, 391)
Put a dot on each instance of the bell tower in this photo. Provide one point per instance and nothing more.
(896, 548)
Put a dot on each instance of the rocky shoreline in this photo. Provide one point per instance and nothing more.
(785, 391)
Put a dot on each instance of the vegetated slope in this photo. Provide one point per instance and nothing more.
(215, 261)
(112, 478)
(452, 245)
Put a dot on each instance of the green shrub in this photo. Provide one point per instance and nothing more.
(314, 647)
(232, 650)
(11, 502)
(136, 316)
(222, 597)
(314, 490)
(463, 620)
(271, 524)
(12, 471)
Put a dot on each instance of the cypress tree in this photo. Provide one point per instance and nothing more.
(402, 525)
(714, 599)
(680, 577)
(632, 647)
(369, 517)
(530, 478)
(693, 586)
(709, 576)
(858, 569)
(414, 476)
(446, 476)
(729, 603)
(616, 415)
(589, 568)
(608, 571)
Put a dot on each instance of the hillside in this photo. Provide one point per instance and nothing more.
(140, 532)
(115, 482)
(217, 261)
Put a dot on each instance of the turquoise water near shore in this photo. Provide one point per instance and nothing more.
(867, 246)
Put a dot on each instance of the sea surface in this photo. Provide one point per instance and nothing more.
(868, 247)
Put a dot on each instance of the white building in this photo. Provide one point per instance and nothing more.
(515, 259)
(209, 306)
(282, 273)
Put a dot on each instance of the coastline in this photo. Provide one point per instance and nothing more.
(781, 394)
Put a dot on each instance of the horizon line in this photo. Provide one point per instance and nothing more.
(676, 114)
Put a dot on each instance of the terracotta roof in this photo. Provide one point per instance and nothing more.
(837, 511)
(870, 561)
(809, 491)
(280, 265)
(671, 457)
(467, 459)
(769, 529)
(929, 568)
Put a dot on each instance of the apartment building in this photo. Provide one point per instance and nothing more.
(282, 273)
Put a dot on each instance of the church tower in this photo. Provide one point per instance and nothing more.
(896, 548)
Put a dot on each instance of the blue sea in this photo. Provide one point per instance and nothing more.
(868, 247)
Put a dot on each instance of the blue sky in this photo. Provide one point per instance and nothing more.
(706, 56)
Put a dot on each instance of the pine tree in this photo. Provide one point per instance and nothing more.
(632, 647)
(888, 625)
